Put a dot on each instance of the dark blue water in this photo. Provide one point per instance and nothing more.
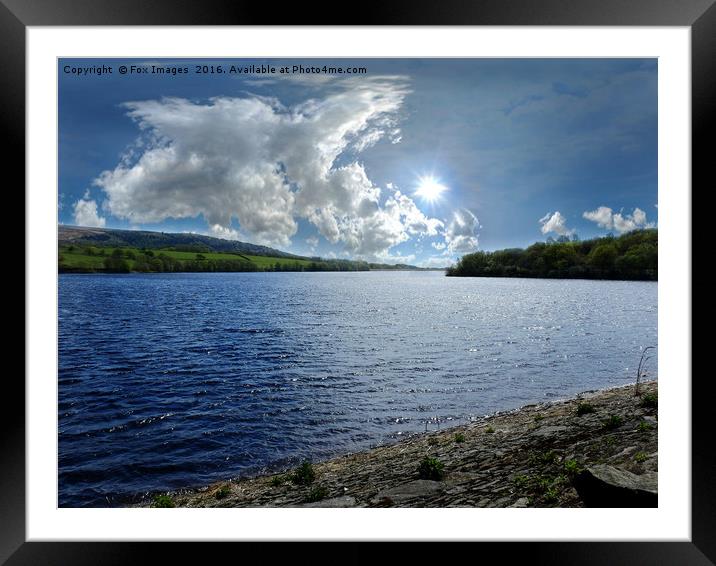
(177, 380)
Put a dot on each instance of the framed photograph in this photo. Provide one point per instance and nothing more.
(392, 281)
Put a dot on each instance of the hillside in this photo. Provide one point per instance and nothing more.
(90, 250)
(632, 256)
(106, 237)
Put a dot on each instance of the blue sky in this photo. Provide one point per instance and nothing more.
(418, 160)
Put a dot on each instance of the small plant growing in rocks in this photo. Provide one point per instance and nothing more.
(644, 426)
(521, 481)
(489, 430)
(277, 481)
(640, 457)
(223, 492)
(459, 437)
(304, 474)
(317, 494)
(650, 401)
(162, 501)
(571, 467)
(614, 421)
(585, 409)
(431, 469)
(538, 417)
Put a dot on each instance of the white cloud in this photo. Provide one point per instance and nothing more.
(602, 216)
(555, 223)
(606, 218)
(86, 213)
(253, 160)
(439, 245)
(461, 232)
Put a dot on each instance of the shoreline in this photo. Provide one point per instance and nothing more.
(597, 448)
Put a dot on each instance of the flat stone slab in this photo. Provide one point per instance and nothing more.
(549, 430)
(606, 486)
(408, 492)
(343, 501)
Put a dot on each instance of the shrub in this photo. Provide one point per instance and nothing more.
(304, 474)
(431, 469)
(459, 437)
(584, 409)
(614, 421)
(538, 417)
(223, 492)
(489, 430)
(650, 401)
(162, 501)
(640, 457)
(278, 480)
(316, 494)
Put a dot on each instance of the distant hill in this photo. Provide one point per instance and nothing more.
(84, 250)
(108, 237)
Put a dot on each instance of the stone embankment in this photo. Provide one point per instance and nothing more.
(598, 449)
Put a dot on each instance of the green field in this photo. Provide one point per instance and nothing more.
(83, 258)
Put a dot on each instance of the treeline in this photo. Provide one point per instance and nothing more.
(632, 256)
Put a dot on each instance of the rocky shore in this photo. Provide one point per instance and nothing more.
(598, 449)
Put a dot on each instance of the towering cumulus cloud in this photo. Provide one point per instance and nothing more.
(266, 165)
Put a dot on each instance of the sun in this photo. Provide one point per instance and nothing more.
(429, 189)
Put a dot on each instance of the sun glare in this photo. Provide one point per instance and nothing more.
(429, 189)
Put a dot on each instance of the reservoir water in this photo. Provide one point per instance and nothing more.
(178, 380)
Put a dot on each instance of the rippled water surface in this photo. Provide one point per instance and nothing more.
(176, 380)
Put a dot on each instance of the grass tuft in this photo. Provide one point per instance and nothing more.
(317, 494)
(585, 409)
(431, 469)
(650, 401)
(614, 421)
(304, 474)
(223, 492)
(162, 501)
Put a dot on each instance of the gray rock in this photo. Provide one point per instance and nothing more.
(408, 492)
(521, 502)
(549, 430)
(606, 486)
(624, 453)
(344, 501)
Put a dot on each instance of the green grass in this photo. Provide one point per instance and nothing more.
(162, 501)
(490, 430)
(640, 457)
(459, 437)
(92, 258)
(431, 469)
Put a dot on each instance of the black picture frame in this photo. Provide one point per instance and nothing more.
(699, 15)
